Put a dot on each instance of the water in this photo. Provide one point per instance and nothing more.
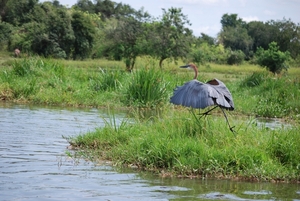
(272, 123)
(34, 166)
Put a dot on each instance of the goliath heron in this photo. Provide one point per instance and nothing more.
(196, 94)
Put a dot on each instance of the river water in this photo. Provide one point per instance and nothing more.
(34, 166)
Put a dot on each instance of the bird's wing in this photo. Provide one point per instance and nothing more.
(194, 94)
(226, 97)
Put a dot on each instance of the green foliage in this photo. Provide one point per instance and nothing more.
(170, 38)
(97, 29)
(28, 77)
(235, 57)
(146, 89)
(204, 53)
(257, 78)
(231, 20)
(127, 38)
(236, 38)
(272, 96)
(5, 31)
(257, 31)
(107, 81)
(84, 33)
(183, 145)
(286, 34)
(285, 148)
(22, 68)
(273, 59)
(18, 12)
(55, 37)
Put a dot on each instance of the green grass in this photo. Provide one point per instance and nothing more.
(182, 145)
(147, 88)
(104, 83)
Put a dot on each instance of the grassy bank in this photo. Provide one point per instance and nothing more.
(179, 144)
(103, 83)
(175, 142)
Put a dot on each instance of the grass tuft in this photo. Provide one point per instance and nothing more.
(147, 88)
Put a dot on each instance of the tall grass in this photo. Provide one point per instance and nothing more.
(49, 81)
(147, 88)
(107, 80)
(275, 96)
(183, 145)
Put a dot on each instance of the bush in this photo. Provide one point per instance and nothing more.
(235, 57)
(272, 59)
(257, 78)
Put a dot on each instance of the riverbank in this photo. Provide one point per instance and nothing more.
(179, 144)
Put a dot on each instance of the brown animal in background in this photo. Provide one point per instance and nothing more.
(17, 52)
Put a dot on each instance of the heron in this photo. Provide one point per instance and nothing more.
(196, 94)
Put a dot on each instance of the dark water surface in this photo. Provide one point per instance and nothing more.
(34, 166)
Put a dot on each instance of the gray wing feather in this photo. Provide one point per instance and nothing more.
(226, 99)
(195, 94)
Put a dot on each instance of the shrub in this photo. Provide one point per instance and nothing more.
(257, 78)
(272, 59)
(235, 57)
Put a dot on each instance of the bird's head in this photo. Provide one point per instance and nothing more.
(186, 66)
(193, 66)
(190, 65)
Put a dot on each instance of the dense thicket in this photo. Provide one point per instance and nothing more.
(104, 28)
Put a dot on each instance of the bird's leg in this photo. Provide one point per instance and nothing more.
(231, 128)
(206, 113)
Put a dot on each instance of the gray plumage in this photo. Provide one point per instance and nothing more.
(196, 94)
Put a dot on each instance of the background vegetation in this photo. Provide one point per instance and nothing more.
(106, 29)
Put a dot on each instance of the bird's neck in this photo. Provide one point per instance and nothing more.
(196, 72)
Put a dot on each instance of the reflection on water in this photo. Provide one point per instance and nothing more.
(271, 123)
(34, 166)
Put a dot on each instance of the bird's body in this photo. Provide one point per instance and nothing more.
(196, 94)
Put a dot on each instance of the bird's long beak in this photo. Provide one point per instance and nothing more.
(185, 66)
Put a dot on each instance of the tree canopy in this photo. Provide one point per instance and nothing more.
(104, 28)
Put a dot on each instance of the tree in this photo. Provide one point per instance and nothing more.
(85, 6)
(126, 37)
(272, 59)
(5, 32)
(84, 32)
(261, 34)
(169, 37)
(106, 8)
(51, 31)
(17, 12)
(287, 35)
(204, 38)
(3, 8)
(231, 20)
(236, 38)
